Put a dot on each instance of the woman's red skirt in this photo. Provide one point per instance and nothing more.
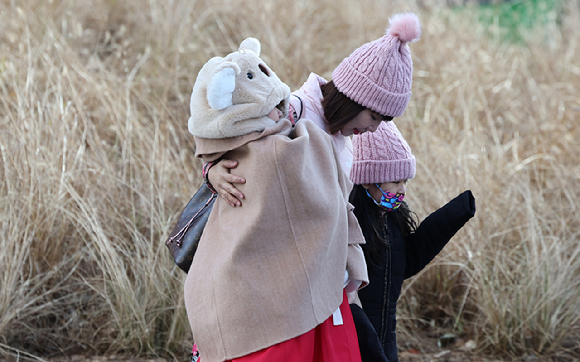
(325, 343)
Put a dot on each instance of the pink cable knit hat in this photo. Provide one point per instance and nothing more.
(381, 156)
(378, 75)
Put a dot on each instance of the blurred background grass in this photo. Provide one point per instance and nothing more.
(97, 163)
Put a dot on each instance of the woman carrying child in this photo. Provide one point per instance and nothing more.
(269, 280)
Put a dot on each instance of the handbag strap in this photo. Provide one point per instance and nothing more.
(184, 229)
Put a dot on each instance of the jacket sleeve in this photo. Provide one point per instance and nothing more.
(436, 231)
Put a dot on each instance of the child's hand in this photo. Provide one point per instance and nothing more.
(223, 181)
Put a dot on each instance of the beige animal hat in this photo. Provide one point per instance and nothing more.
(232, 96)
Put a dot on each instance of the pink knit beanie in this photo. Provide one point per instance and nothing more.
(381, 156)
(378, 75)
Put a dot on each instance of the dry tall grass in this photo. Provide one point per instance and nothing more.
(96, 163)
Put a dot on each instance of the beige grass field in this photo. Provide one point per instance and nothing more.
(96, 164)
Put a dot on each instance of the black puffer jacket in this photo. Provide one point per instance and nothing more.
(376, 322)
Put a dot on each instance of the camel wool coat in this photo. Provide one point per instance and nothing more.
(274, 268)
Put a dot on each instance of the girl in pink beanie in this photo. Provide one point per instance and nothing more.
(368, 87)
(396, 248)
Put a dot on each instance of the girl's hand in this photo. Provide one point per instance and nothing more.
(223, 181)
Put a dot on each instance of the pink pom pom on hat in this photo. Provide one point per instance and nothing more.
(379, 74)
(381, 156)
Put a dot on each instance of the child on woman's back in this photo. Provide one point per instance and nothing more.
(396, 248)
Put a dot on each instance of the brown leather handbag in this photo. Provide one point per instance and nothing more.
(184, 238)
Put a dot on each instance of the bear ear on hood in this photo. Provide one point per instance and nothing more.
(221, 85)
(251, 44)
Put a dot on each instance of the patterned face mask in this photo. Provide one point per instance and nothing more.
(389, 201)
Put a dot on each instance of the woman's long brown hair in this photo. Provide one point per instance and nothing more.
(339, 109)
